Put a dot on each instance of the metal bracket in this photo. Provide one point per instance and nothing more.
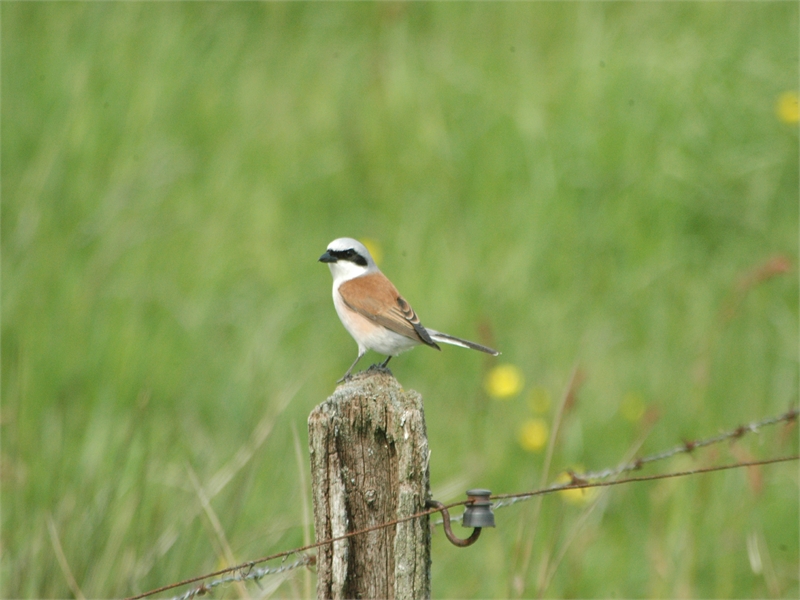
(477, 514)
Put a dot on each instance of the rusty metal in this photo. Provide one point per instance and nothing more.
(477, 514)
(448, 531)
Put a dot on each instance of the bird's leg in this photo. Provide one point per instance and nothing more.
(386, 362)
(355, 362)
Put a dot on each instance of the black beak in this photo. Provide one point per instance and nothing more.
(327, 258)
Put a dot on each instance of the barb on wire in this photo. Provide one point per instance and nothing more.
(246, 571)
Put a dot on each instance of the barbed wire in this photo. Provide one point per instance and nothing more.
(250, 575)
(690, 446)
(246, 571)
(685, 448)
(579, 484)
(635, 465)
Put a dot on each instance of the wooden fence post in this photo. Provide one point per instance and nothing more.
(369, 465)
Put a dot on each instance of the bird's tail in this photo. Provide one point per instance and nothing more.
(449, 339)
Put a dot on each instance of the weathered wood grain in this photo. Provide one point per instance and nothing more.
(369, 465)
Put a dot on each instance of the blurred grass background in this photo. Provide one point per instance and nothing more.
(575, 183)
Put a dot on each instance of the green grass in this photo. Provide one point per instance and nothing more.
(575, 183)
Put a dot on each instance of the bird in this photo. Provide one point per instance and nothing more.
(373, 311)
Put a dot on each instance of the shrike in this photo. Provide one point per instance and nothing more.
(373, 311)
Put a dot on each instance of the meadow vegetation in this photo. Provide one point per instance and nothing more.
(612, 186)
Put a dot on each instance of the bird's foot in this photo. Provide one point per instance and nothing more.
(380, 368)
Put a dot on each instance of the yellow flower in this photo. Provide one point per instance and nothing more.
(632, 407)
(533, 434)
(575, 495)
(374, 248)
(503, 381)
(539, 400)
(788, 107)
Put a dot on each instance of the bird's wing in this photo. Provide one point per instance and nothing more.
(373, 296)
